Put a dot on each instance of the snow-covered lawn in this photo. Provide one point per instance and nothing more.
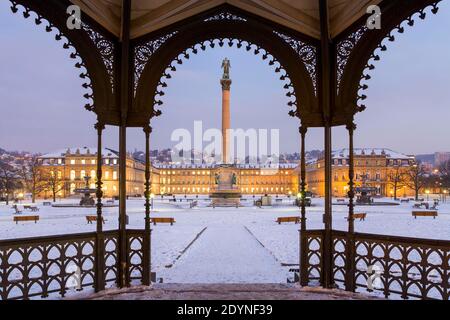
(226, 245)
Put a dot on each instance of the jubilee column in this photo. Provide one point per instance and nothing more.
(226, 121)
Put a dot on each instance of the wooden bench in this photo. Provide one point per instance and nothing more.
(340, 200)
(404, 200)
(109, 201)
(91, 219)
(360, 216)
(46, 203)
(281, 220)
(162, 220)
(416, 214)
(26, 218)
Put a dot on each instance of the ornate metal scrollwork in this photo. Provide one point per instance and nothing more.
(225, 16)
(400, 28)
(50, 27)
(257, 50)
(306, 52)
(144, 52)
(343, 51)
(106, 50)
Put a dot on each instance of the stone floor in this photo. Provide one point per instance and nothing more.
(223, 292)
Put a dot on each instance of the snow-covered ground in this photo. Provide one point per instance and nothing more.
(227, 245)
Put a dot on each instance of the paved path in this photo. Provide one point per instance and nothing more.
(226, 254)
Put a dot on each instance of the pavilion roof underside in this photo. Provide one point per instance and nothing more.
(151, 15)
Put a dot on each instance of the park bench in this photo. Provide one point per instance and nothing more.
(360, 216)
(109, 201)
(47, 204)
(416, 214)
(26, 218)
(32, 208)
(404, 200)
(162, 220)
(281, 220)
(91, 219)
(340, 200)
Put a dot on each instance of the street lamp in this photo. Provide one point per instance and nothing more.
(428, 194)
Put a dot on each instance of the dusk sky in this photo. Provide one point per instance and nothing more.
(408, 105)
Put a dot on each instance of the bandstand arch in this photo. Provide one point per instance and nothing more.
(359, 52)
(294, 59)
(93, 51)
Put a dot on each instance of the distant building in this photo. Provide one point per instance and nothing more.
(373, 167)
(441, 158)
(200, 179)
(72, 165)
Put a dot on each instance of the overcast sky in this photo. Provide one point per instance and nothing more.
(42, 106)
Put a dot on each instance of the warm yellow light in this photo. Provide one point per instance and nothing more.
(427, 191)
(20, 195)
(152, 195)
(299, 195)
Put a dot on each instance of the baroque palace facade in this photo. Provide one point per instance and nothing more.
(71, 166)
(373, 167)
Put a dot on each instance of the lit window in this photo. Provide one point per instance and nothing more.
(83, 161)
(82, 174)
(59, 161)
(107, 175)
(72, 175)
(93, 174)
(106, 161)
(72, 161)
(115, 175)
(93, 161)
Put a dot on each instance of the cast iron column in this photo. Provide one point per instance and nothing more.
(303, 239)
(146, 246)
(124, 103)
(350, 248)
(100, 240)
(327, 100)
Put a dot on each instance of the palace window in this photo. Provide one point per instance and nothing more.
(72, 161)
(93, 174)
(82, 174)
(115, 175)
(72, 175)
(83, 161)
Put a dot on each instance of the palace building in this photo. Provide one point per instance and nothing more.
(200, 179)
(71, 166)
(374, 168)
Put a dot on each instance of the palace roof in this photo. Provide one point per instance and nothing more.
(77, 151)
(390, 154)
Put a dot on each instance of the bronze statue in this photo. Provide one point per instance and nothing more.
(226, 66)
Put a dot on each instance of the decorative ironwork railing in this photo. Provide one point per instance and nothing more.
(394, 266)
(56, 265)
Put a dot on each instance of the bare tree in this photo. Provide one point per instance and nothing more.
(33, 177)
(54, 184)
(9, 180)
(415, 178)
(395, 180)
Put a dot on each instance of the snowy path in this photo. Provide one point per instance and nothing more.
(226, 254)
